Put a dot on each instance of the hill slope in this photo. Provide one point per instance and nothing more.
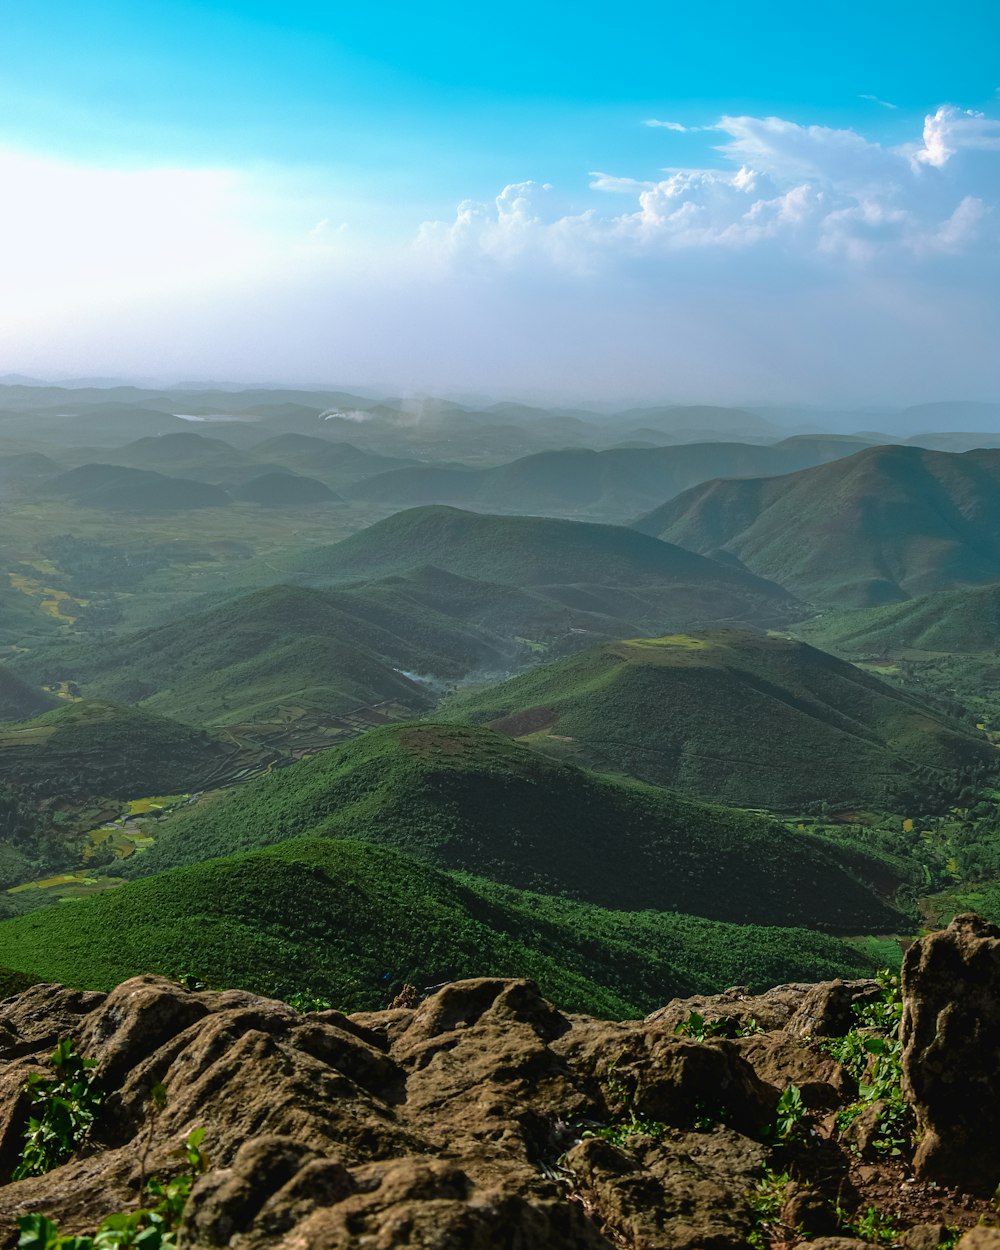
(732, 717)
(284, 489)
(469, 799)
(596, 568)
(618, 482)
(97, 749)
(965, 621)
(354, 922)
(880, 526)
(19, 700)
(335, 650)
(122, 489)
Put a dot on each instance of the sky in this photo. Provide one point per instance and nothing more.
(772, 203)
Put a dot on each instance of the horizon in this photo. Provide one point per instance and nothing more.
(665, 208)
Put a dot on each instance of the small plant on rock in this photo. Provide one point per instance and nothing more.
(63, 1110)
(766, 1200)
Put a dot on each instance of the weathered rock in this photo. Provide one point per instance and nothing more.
(951, 1055)
(414, 1202)
(808, 1212)
(37, 1018)
(980, 1239)
(686, 1192)
(924, 1237)
(823, 1010)
(781, 1060)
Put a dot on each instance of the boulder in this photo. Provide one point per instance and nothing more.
(951, 1054)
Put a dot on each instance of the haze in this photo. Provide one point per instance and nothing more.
(668, 207)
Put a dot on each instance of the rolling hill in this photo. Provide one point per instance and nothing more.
(618, 482)
(285, 489)
(330, 461)
(183, 454)
(732, 717)
(963, 621)
(883, 525)
(93, 748)
(602, 569)
(281, 645)
(463, 798)
(354, 922)
(121, 489)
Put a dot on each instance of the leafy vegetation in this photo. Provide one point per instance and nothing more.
(355, 922)
(469, 799)
(738, 717)
(63, 1110)
(907, 522)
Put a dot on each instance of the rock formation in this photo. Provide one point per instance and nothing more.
(484, 1117)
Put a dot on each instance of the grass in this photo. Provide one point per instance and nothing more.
(465, 798)
(739, 717)
(352, 922)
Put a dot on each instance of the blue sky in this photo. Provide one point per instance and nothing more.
(468, 196)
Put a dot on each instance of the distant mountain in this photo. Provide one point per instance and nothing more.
(961, 621)
(620, 481)
(115, 422)
(702, 417)
(596, 568)
(121, 489)
(334, 916)
(734, 718)
(97, 749)
(462, 798)
(185, 454)
(954, 414)
(284, 490)
(323, 458)
(883, 525)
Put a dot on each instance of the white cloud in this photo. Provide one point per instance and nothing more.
(951, 130)
(678, 126)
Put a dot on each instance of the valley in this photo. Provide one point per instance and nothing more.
(339, 638)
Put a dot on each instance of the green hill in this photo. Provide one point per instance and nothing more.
(735, 718)
(183, 454)
(594, 568)
(97, 749)
(883, 525)
(121, 489)
(320, 457)
(353, 923)
(468, 799)
(618, 482)
(284, 489)
(965, 621)
(333, 650)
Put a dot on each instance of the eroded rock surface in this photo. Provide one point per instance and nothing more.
(482, 1117)
(951, 1056)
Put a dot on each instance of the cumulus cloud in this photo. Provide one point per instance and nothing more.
(814, 194)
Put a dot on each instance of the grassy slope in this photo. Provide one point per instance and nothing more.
(339, 918)
(95, 748)
(464, 798)
(602, 569)
(966, 621)
(734, 717)
(336, 649)
(877, 527)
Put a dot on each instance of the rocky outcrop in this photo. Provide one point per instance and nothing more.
(951, 1056)
(481, 1117)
